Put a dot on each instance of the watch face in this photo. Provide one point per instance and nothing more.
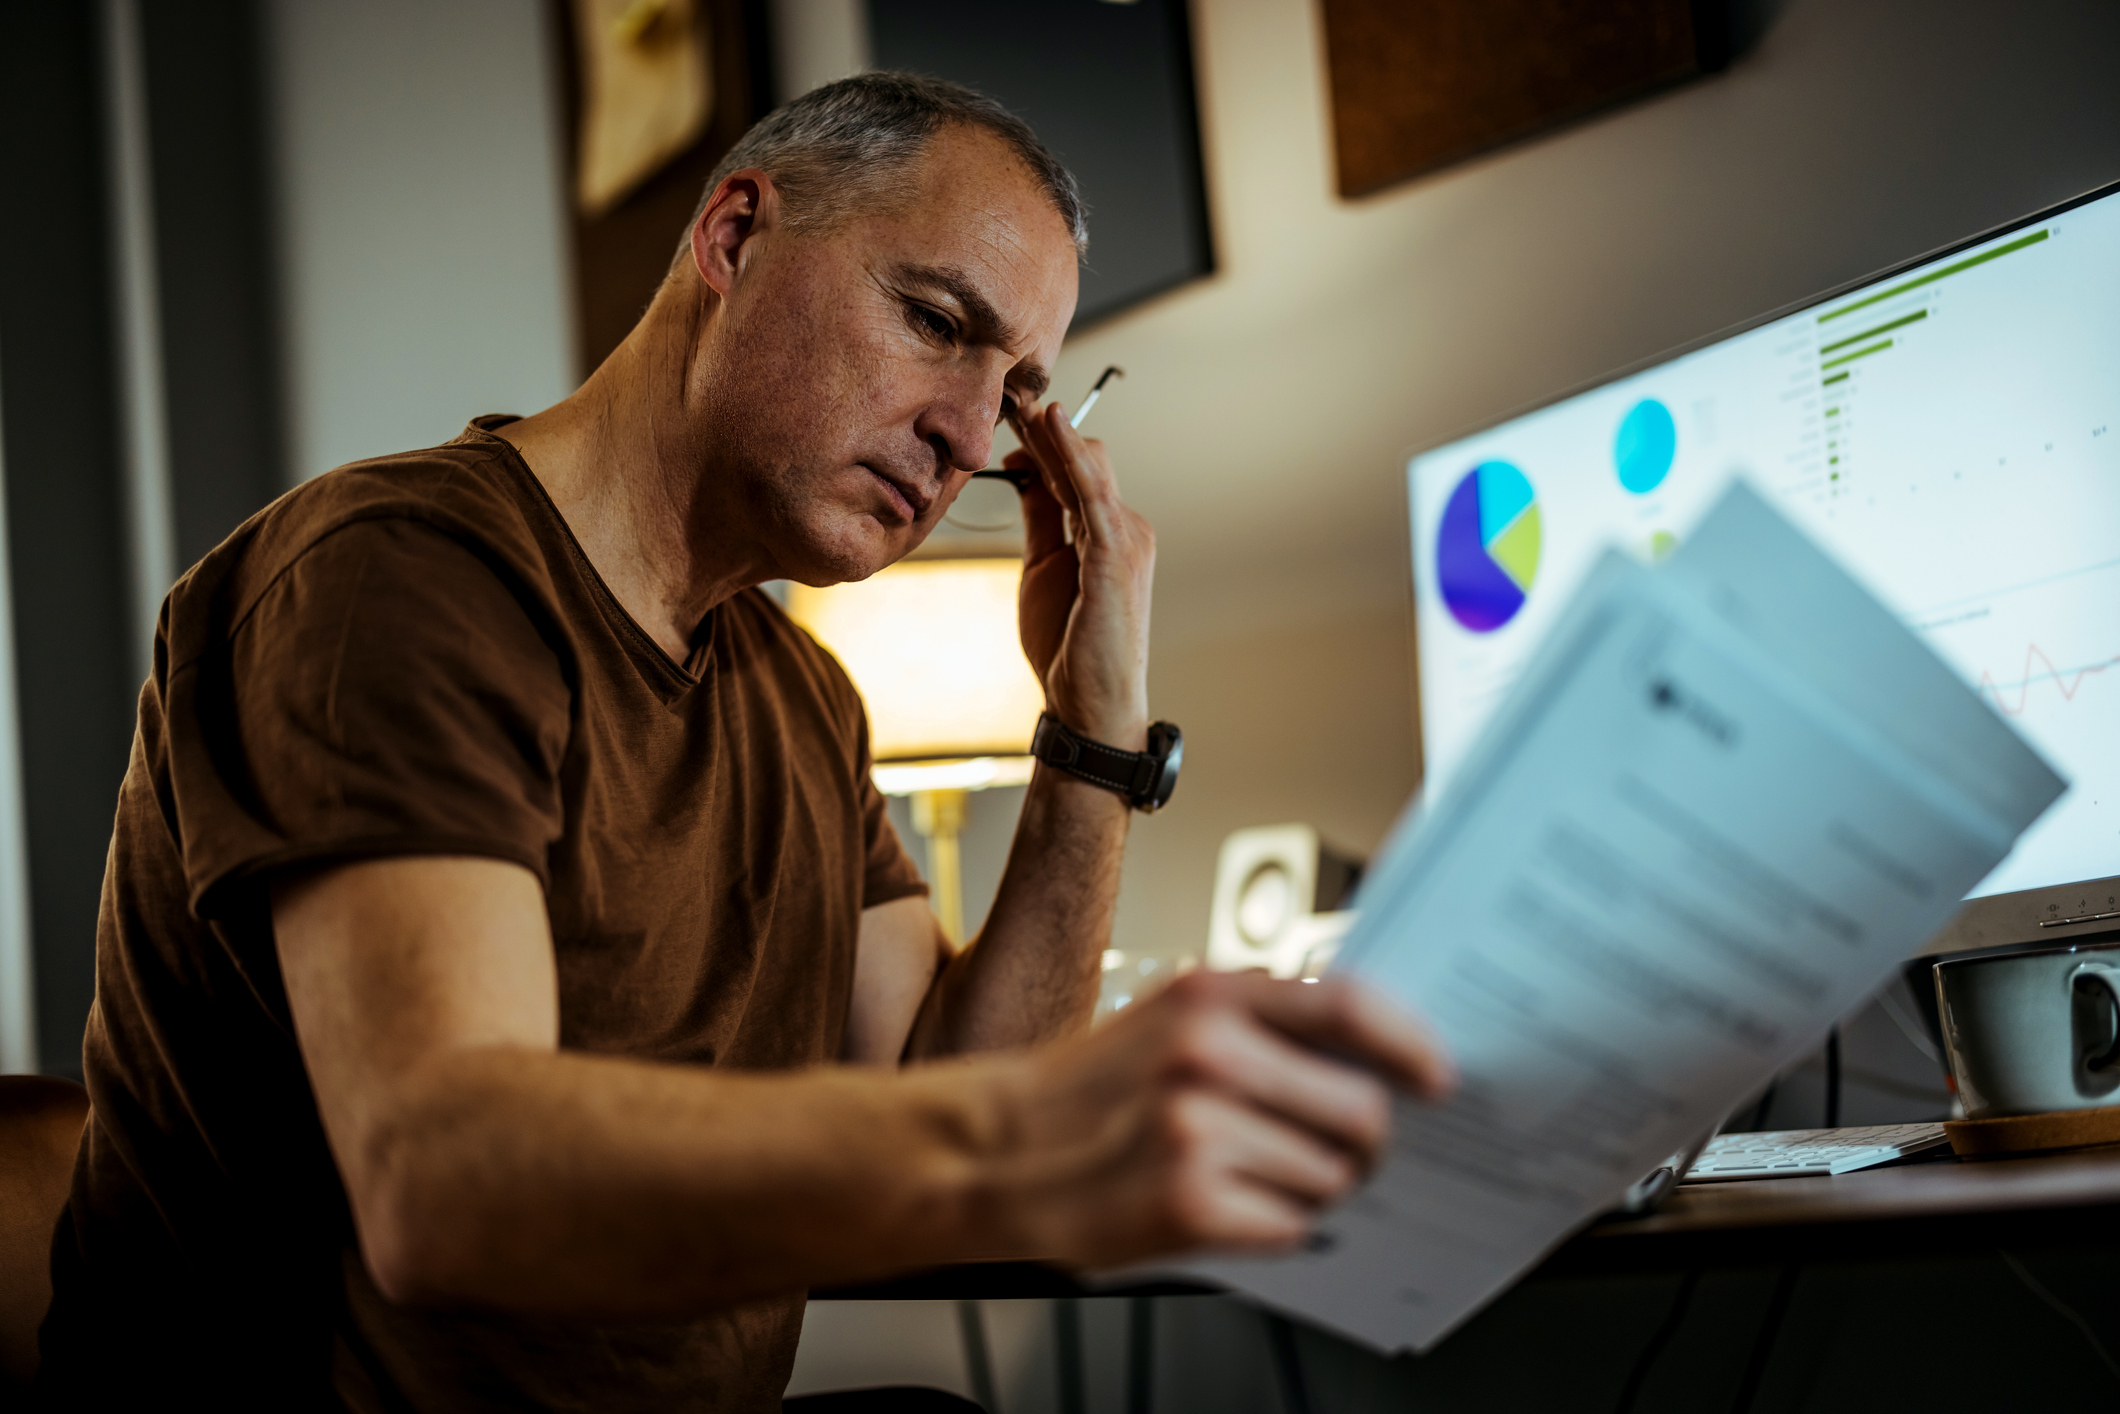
(1166, 741)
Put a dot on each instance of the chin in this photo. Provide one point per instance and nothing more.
(854, 550)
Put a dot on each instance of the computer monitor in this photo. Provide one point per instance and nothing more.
(1950, 430)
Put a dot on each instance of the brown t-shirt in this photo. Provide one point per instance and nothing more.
(413, 656)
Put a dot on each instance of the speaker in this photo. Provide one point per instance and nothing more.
(1279, 892)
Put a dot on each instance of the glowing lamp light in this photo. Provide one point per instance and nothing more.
(932, 646)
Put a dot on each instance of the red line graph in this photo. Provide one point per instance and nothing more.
(2059, 678)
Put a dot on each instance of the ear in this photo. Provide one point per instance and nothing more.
(744, 206)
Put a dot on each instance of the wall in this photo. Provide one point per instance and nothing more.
(816, 42)
(1268, 412)
(418, 165)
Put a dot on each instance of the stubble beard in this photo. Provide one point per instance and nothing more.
(781, 490)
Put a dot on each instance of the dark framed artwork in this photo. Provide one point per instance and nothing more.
(1420, 84)
(622, 251)
(1109, 87)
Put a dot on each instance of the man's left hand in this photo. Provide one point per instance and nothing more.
(1088, 566)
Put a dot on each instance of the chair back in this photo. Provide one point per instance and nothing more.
(41, 1120)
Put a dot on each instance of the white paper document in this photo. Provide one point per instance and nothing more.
(1725, 800)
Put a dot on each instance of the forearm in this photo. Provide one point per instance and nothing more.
(571, 1184)
(1032, 973)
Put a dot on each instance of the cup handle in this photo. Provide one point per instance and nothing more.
(2099, 980)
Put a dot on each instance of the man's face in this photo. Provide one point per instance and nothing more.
(858, 376)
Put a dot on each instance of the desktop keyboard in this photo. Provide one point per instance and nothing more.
(1803, 1153)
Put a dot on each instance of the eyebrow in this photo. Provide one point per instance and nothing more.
(978, 312)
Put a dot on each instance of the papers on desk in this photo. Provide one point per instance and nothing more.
(1727, 797)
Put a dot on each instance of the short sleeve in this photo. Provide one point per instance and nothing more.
(390, 693)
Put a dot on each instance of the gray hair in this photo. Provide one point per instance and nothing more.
(838, 149)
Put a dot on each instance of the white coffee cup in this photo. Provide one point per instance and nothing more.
(2033, 1032)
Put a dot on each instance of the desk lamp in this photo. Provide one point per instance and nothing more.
(952, 702)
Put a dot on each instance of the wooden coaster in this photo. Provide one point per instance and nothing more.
(2019, 1134)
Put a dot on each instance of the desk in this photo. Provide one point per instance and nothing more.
(1936, 1208)
(1773, 1262)
(1933, 1209)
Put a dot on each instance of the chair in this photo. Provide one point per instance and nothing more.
(41, 1120)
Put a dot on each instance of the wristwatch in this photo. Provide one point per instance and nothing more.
(1145, 778)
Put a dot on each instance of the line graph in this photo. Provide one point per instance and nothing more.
(2068, 681)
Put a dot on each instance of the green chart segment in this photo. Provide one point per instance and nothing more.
(1859, 353)
(1838, 344)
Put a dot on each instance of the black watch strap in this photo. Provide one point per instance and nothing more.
(1144, 778)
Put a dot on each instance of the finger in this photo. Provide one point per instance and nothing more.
(1027, 447)
(1353, 1021)
(1346, 1107)
(1069, 443)
(1236, 1141)
(1088, 469)
(1035, 430)
(1245, 1217)
(1044, 522)
(1037, 442)
(1096, 489)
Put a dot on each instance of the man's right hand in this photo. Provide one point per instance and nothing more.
(1224, 1112)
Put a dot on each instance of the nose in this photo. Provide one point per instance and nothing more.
(959, 423)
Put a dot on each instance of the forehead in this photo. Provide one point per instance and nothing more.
(971, 203)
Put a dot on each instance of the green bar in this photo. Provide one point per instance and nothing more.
(1859, 353)
(1832, 412)
(1915, 318)
(1840, 377)
(1934, 275)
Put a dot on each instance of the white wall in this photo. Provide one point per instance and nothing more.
(816, 42)
(424, 279)
(1267, 412)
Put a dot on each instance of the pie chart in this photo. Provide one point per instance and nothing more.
(1647, 441)
(1486, 550)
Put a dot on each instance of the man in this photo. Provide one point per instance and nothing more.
(507, 976)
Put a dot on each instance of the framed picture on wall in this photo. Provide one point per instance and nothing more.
(655, 94)
(1109, 87)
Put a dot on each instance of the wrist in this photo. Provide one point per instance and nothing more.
(1065, 802)
(995, 1201)
(1143, 778)
(1126, 729)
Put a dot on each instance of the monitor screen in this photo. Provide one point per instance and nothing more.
(1951, 432)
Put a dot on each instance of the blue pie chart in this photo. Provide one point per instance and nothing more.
(1487, 548)
(1647, 441)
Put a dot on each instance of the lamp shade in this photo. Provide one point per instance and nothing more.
(932, 645)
